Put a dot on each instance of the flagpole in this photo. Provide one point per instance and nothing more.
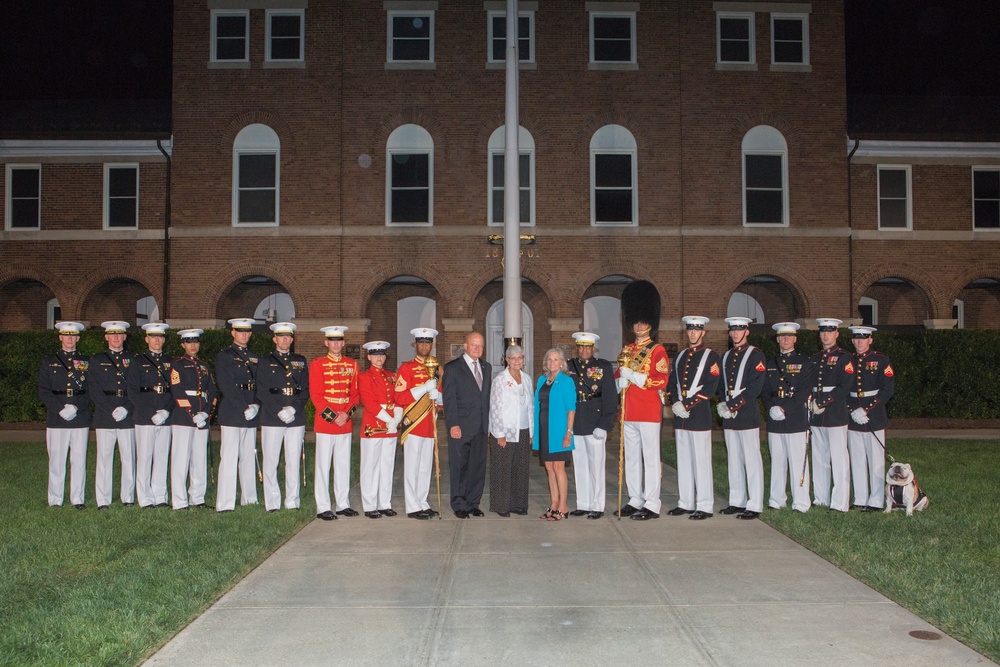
(512, 190)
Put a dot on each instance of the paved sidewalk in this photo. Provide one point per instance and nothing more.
(487, 591)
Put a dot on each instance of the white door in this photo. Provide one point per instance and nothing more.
(602, 316)
(494, 337)
(413, 312)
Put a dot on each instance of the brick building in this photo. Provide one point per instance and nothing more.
(339, 162)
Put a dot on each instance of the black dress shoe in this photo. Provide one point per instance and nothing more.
(221, 511)
(80, 506)
(595, 515)
(475, 511)
(521, 512)
(677, 511)
(102, 507)
(644, 515)
(504, 514)
(127, 504)
(461, 514)
(749, 514)
(628, 510)
(161, 505)
(732, 509)
(327, 516)
(422, 514)
(430, 512)
(271, 511)
(388, 512)
(347, 512)
(699, 515)
(579, 512)
(373, 515)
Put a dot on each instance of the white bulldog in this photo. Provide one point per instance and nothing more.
(901, 490)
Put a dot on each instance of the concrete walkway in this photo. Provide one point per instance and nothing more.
(487, 591)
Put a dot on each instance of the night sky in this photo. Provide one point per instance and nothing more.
(108, 49)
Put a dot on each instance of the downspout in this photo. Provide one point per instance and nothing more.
(850, 236)
(166, 236)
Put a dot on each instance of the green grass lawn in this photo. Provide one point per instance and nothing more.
(111, 587)
(942, 564)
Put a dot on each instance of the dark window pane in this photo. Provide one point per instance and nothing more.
(788, 30)
(613, 171)
(523, 29)
(763, 171)
(892, 213)
(612, 27)
(257, 206)
(256, 171)
(892, 183)
(987, 214)
(230, 49)
(285, 26)
(986, 184)
(497, 50)
(764, 206)
(24, 182)
(411, 49)
(410, 205)
(121, 182)
(121, 213)
(734, 52)
(612, 51)
(498, 166)
(411, 26)
(497, 205)
(500, 27)
(524, 170)
(410, 170)
(285, 49)
(230, 26)
(734, 29)
(24, 213)
(613, 205)
(788, 52)
(525, 205)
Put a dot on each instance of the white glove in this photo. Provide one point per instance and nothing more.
(392, 425)
(622, 384)
(251, 411)
(600, 433)
(119, 413)
(679, 410)
(383, 415)
(287, 414)
(639, 379)
(777, 414)
(159, 417)
(200, 419)
(814, 407)
(397, 414)
(420, 390)
(626, 373)
(68, 412)
(434, 393)
(859, 416)
(723, 411)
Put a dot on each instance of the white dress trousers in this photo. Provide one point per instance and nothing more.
(830, 463)
(418, 466)
(152, 452)
(867, 467)
(589, 457)
(643, 470)
(104, 481)
(271, 439)
(378, 461)
(189, 459)
(694, 470)
(788, 454)
(335, 447)
(60, 442)
(746, 468)
(238, 451)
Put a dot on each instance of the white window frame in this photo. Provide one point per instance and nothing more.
(272, 13)
(490, 37)
(766, 140)
(214, 47)
(909, 195)
(107, 194)
(972, 193)
(8, 199)
(633, 50)
(409, 139)
(415, 13)
(613, 140)
(868, 301)
(526, 146)
(804, 18)
(959, 307)
(256, 139)
(752, 37)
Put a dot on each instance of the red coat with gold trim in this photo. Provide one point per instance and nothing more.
(333, 387)
(377, 389)
(643, 404)
(411, 374)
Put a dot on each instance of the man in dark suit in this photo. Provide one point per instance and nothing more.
(465, 391)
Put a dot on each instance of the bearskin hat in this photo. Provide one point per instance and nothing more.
(641, 303)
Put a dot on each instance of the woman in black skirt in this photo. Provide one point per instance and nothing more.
(511, 416)
(555, 409)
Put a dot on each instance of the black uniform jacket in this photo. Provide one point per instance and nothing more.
(873, 387)
(596, 395)
(681, 386)
(108, 388)
(235, 368)
(743, 404)
(789, 380)
(282, 381)
(148, 380)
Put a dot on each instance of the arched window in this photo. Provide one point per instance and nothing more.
(526, 175)
(256, 171)
(765, 177)
(409, 177)
(613, 174)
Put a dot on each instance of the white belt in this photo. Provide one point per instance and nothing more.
(864, 394)
(825, 390)
(191, 392)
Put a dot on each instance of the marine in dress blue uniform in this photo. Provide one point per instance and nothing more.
(193, 390)
(828, 422)
(786, 393)
(874, 382)
(62, 387)
(148, 380)
(235, 368)
(282, 386)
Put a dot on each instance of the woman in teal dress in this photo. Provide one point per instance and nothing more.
(555, 409)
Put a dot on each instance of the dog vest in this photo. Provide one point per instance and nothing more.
(896, 494)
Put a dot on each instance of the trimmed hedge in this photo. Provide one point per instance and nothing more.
(953, 374)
